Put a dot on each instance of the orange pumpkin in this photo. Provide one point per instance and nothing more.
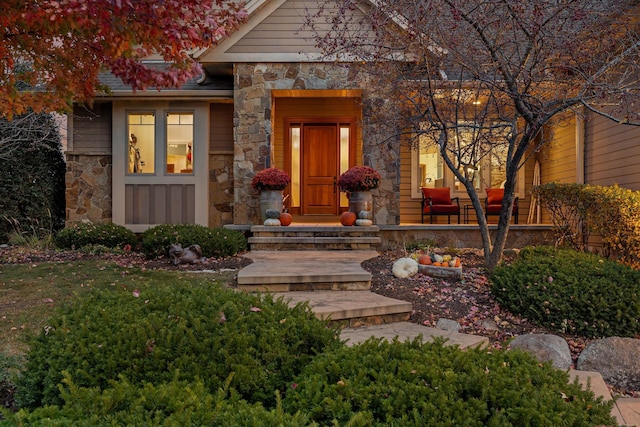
(437, 264)
(348, 218)
(285, 218)
(425, 259)
(457, 262)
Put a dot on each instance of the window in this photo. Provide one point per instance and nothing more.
(173, 130)
(427, 169)
(141, 134)
(179, 143)
(430, 164)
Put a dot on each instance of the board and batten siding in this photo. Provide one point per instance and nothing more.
(160, 204)
(612, 153)
(91, 129)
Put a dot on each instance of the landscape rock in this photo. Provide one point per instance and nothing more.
(545, 347)
(448, 325)
(616, 359)
(489, 325)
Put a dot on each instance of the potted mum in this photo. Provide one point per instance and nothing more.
(357, 183)
(270, 182)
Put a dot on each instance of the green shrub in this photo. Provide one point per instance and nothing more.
(176, 403)
(570, 291)
(187, 331)
(580, 212)
(32, 169)
(105, 234)
(215, 242)
(8, 367)
(414, 384)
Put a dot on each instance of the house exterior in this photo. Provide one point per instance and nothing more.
(267, 99)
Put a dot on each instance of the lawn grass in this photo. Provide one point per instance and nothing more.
(30, 293)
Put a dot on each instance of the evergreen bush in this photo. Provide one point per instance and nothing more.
(32, 169)
(414, 384)
(215, 242)
(175, 403)
(188, 331)
(570, 291)
(85, 234)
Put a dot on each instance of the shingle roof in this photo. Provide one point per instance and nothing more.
(210, 83)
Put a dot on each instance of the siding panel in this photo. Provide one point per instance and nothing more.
(92, 128)
(281, 31)
(221, 126)
(612, 153)
(160, 204)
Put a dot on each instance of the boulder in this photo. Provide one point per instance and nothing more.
(448, 325)
(545, 347)
(616, 359)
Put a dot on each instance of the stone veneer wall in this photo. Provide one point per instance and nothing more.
(220, 189)
(252, 125)
(88, 193)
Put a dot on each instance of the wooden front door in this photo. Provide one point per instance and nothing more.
(320, 169)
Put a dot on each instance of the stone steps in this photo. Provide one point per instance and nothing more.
(305, 270)
(312, 237)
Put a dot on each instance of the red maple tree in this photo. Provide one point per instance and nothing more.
(52, 51)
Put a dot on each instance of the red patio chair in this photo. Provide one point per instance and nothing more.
(438, 201)
(493, 203)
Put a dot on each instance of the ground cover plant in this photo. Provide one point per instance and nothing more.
(570, 291)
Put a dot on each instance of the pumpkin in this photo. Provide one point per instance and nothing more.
(458, 262)
(285, 218)
(348, 218)
(437, 264)
(425, 259)
(404, 267)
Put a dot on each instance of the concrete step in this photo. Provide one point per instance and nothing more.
(312, 237)
(409, 331)
(284, 271)
(352, 309)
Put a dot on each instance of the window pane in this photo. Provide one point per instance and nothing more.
(498, 166)
(430, 164)
(141, 134)
(344, 160)
(294, 200)
(179, 142)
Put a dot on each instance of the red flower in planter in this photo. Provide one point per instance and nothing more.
(271, 179)
(359, 178)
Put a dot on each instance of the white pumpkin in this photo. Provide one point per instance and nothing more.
(272, 221)
(365, 215)
(405, 267)
(364, 222)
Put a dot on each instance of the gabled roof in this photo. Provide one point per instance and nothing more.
(273, 33)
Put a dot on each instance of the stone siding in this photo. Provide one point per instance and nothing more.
(88, 193)
(253, 84)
